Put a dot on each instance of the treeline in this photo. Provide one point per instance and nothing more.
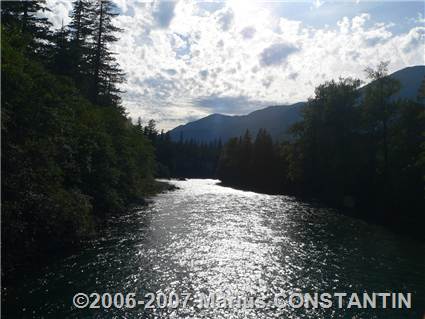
(70, 156)
(357, 148)
(184, 158)
(252, 163)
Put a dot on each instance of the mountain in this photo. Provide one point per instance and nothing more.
(411, 79)
(276, 119)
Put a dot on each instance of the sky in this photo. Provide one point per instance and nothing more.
(187, 59)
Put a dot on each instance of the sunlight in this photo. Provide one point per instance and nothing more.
(246, 11)
(212, 159)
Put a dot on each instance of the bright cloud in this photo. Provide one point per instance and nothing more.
(185, 60)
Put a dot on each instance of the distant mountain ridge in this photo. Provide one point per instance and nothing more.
(276, 119)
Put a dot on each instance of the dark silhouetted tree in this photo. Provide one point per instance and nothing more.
(106, 71)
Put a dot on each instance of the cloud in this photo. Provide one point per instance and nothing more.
(203, 74)
(293, 76)
(225, 19)
(210, 6)
(194, 68)
(59, 14)
(359, 21)
(414, 39)
(164, 13)
(170, 71)
(419, 19)
(229, 105)
(187, 59)
(248, 32)
(267, 81)
(277, 53)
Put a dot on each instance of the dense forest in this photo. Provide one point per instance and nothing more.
(183, 158)
(355, 148)
(71, 156)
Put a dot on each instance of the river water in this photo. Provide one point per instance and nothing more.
(204, 238)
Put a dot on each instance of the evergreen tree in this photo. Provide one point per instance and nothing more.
(69, 162)
(82, 34)
(263, 160)
(62, 58)
(81, 22)
(246, 157)
(323, 147)
(23, 16)
(106, 71)
(378, 108)
(421, 91)
(229, 163)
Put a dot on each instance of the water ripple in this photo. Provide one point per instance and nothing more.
(207, 238)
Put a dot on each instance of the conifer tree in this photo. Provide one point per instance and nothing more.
(62, 60)
(82, 33)
(24, 16)
(378, 107)
(106, 71)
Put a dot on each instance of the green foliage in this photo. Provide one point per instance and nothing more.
(183, 158)
(326, 136)
(106, 71)
(23, 16)
(363, 148)
(66, 161)
(248, 163)
(356, 148)
(186, 158)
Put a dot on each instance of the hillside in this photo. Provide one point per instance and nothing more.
(276, 119)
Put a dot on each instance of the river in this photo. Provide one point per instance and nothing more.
(205, 238)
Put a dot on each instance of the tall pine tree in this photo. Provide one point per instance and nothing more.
(106, 71)
(81, 30)
(22, 16)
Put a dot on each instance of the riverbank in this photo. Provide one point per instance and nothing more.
(207, 238)
(15, 263)
(377, 215)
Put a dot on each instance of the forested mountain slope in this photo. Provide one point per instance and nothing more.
(277, 119)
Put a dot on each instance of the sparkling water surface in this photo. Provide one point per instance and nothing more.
(205, 238)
